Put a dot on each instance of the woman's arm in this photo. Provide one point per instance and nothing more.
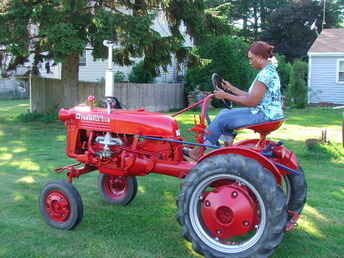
(227, 85)
(251, 99)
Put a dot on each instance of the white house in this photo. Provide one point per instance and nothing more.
(94, 70)
(326, 68)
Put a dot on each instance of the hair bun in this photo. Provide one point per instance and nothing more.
(262, 49)
(271, 50)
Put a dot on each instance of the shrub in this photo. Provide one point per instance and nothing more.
(140, 74)
(297, 87)
(36, 116)
(119, 77)
(224, 55)
(284, 69)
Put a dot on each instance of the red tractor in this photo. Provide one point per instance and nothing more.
(235, 201)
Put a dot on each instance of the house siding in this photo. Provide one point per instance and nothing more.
(94, 71)
(322, 82)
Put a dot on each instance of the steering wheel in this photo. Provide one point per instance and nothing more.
(217, 85)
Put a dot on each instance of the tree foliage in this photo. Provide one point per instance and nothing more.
(297, 88)
(61, 29)
(251, 15)
(290, 26)
(139, 74)
(285, 23)
(224, 55)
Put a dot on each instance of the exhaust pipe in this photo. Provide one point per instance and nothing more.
(109, 86)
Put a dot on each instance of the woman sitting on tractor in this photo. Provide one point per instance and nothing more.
(263, 101)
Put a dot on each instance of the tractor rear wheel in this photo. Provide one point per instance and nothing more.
(61, 205)
(230, 206)
(117, 190)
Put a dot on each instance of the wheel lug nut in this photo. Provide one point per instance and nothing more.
(256, 226)
(246, 223)
(218, 231)
(207, 203)
(234, 194)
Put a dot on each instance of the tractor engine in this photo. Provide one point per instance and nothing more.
(116, 143)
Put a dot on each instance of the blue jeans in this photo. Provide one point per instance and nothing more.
(228, 120)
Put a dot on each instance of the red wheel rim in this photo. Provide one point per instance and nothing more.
(229, 210)
(57, 206)
(116, 186)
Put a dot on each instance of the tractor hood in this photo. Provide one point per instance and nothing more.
(136, 122)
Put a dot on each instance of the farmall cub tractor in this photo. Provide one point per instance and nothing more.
(235, 201)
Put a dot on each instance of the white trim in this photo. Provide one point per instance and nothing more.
(337, 71)
(325, 54)
(309, 78)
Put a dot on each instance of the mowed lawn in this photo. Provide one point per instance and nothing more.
(147, 227)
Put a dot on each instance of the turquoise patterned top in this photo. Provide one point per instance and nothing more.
(271, 103)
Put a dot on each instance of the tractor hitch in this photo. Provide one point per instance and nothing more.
(72, 171)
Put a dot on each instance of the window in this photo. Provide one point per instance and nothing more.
(82, 60)
(340, 71)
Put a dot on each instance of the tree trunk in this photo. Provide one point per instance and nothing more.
(70, 80)
(255, 16)
(262, 15)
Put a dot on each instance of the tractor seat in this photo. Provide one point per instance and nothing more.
(265, 128)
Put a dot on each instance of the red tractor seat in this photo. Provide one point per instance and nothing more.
(265, 128)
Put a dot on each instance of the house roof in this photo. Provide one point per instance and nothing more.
(329, 41)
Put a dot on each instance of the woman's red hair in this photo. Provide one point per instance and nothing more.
(261, 48)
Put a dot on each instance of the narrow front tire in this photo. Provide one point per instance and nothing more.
(117, 190)
(61, 205)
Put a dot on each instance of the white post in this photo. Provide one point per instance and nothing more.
(109, 72)
(109, 86)
(323, 22)
(30, 88)
(341, 107)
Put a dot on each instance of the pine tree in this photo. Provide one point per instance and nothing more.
(61, 29)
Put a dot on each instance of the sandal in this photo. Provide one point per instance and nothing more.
(193, 154)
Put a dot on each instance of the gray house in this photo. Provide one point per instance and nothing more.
(326, 68)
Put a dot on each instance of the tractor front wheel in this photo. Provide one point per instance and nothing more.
(117, 190)
(230, 206)
(61, 205)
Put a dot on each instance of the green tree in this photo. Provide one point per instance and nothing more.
(224, 55)
(289, 27)
(139, 74)
(250, 15)
(61, 29)
(284, 69)
(297, 88)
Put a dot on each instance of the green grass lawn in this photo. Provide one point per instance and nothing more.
(147, 227)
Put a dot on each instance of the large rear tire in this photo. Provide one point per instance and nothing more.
(230, 206)
(117, 190)
(61, 205)
(296, 192)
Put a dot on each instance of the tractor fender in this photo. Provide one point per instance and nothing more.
(265, 162)
(281, 154)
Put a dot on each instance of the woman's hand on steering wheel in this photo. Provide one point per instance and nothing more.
(220, 86)
(226, 85)
(220, 94)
